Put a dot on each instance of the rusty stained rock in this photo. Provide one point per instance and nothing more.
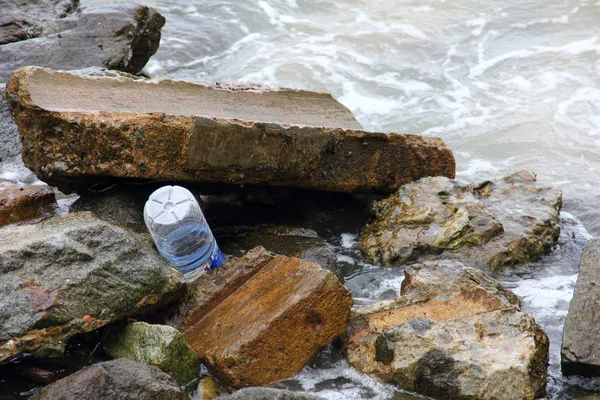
(22, 203)
(270, 327)
(77, 128)
(454, 333)
(496, 224)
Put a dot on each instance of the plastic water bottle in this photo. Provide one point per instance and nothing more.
(180, 231)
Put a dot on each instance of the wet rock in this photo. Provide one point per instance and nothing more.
(208, 389)
(36, 374)
(22, 203)
(162, 129)
(256, 393)
(123, 379)
(302, 243)
(290, 309)
(580, 353)
(26, 19)
(74, 274)
(454, 333)
(119, 36)
(159, 345)
(497, 224)
(209, 290)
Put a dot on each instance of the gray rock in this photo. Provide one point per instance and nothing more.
(292, 242)
(455, 333)
(499, 223)
(26, 19)
(159, 345)
(119, 36)
(260, 393)
(118, 379)
(74, 274)
(10, 146)
(580, 352)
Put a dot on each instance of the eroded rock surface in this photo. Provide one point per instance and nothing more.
(22, 203)
(74, 274)
(118, 379)
(498, 223)
(270, 327)
(580, 352)
(162, 129)
(119, 36)
(158, 345)
(454, 333)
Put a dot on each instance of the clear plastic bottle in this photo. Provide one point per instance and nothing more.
(180, 231)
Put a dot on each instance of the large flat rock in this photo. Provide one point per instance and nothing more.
(77, 128)
(580, 353)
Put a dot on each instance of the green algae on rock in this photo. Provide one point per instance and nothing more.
(159, 345)
(498, 223)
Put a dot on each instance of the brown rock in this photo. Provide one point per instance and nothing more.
(209, 290)
(162, 129)
(270, 327)
(454, 333)
(22, 203)
(208, 389)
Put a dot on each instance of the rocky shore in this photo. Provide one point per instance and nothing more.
(88, 307)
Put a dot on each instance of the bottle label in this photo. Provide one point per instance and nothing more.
(216, 259)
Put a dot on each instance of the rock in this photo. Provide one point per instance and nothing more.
(159, 345)
(26, 19)
(580, 353)
(124, 209)
(208, 389)
(454, 333)
(74, 274)
(22, 203)
(123, 379)
(209, 290)
(497, 224)
(258, 393)
(170, 130)
(290, 309)
(302, 243)
(119, 36)
(10, 146)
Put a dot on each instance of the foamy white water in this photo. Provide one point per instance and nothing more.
(507, 84)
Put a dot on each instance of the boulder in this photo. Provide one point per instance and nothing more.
(496, 224)
(159, 345)
(123, 379)
(26, 19)
(291, 308)
(580, 352)
(289, 241)
(74, 274)
(22, 203)
(454, 333)
(258, 393)
(172, 130)
(119, 36)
